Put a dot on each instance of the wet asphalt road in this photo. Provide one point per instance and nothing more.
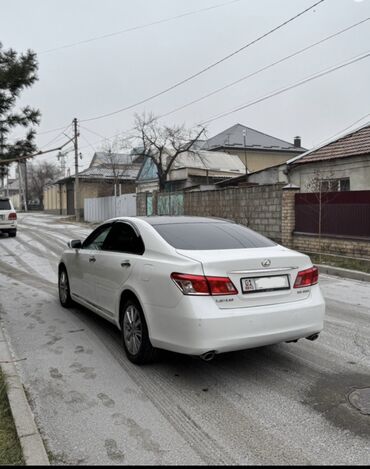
(282, 404)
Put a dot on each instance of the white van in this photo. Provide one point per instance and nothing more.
(8, 217)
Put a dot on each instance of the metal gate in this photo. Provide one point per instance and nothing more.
(149, 204)
(70, 199)
(171, 204)
(102, 208)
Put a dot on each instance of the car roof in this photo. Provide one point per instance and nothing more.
(171, 220)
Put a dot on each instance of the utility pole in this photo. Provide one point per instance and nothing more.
(22, 191)
(25, 184)
(77, 185)
(2, 169)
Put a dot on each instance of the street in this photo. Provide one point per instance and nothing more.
(282, 404)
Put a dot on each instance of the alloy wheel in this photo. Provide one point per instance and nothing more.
(132, 329)
(63, 287)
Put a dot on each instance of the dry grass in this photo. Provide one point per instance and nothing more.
(10, 449)
(361, 265)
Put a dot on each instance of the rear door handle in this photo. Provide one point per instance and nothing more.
(126, 263)
(92, 259)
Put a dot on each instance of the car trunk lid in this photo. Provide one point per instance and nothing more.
(262, 276)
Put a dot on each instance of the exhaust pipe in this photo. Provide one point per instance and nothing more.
(313, 336)
(208, 356)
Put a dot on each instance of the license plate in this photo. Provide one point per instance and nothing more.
(265, 284)
(2, 217)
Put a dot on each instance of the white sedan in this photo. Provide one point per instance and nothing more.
(197, 286)
(8, 217)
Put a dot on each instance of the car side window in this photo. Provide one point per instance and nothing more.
(96, 239)
(123, 238)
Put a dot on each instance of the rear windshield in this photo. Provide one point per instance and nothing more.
(204, 236)
(5, 205)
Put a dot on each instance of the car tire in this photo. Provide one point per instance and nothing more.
(63, 288)
(12, 234)
(135, 336)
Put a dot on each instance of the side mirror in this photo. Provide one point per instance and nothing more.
(75, 244)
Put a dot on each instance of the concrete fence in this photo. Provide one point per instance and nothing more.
(103, 208)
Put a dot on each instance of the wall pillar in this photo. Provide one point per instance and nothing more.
(288, 214)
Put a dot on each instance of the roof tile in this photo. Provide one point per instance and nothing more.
(353, 144)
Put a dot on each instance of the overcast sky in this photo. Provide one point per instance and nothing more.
(101, 76)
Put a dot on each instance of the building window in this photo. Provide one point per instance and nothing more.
(335, 185)
(344, 184)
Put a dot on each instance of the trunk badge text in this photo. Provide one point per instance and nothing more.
(266, 263)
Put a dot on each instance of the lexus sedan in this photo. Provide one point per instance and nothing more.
(198, 286)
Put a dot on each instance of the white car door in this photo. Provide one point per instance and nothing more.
(81, 269)
(121, 252)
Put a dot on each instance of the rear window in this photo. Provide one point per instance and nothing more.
(204, 236)
(5, 204)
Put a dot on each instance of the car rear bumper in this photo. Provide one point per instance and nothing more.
(198, 325)
(8, 226)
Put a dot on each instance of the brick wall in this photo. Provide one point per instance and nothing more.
(345, 247)
(258, 207)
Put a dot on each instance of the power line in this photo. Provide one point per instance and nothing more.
(229, 85)
(136, 28)
(57, 137)
(342, 131)
(312, 77)
(21, 158)
(287, 88)
(120, 133)
(89, 144)
(51, 130)
(93, 132)
(209, 67)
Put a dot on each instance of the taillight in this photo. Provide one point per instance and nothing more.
(306, 278)
(191, 284)
(201, 285)
(221, 286)
(12, 216)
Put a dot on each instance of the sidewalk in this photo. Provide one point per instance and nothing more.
(34, 453)
(341, 272)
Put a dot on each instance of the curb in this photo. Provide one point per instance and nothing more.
(346, 273)
(34, 453)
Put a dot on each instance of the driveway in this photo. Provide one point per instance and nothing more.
(282, 404)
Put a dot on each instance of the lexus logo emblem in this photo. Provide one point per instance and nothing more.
(266, 263)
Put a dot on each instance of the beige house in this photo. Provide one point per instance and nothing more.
(99, 180)
(255, 149)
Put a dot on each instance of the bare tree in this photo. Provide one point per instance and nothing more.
(38, 175)
(320, 185)
(113, 161)
(163, 144)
